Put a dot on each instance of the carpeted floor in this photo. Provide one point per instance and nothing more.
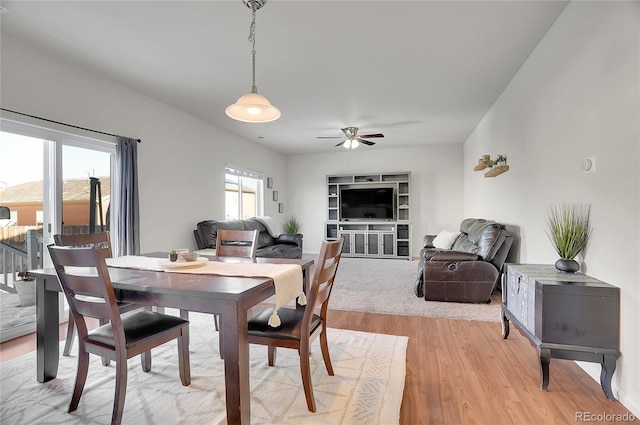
(386, 286)
(366, 389)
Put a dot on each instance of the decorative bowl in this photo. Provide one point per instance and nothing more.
(189, 256)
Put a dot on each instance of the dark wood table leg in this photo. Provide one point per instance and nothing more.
(46, 332)
(233, 324)
(545, 359)
(606, 373)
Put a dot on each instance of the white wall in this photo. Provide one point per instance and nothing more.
(181, 158)
(576, 96)
(436, 186)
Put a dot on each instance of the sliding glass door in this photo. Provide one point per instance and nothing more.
(51, 182)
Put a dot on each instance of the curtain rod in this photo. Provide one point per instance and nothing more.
(65, 124)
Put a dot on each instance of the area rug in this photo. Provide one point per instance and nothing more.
(366, 389)
(386, 286)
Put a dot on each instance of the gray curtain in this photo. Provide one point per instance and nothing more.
(125, 235)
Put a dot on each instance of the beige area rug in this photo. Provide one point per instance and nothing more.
(366, 389)
(386, 286)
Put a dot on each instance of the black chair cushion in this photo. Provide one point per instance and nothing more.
(137, 327)
(290, 327)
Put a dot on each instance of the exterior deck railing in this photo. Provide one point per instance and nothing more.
(17, 260)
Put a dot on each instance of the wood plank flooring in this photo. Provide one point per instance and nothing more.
(463, 372)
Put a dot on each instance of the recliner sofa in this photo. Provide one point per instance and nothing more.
(468, 271)
(286, 245)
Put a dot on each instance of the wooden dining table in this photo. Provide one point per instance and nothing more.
(230, 297)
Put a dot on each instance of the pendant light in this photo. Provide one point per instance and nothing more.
(253, 107)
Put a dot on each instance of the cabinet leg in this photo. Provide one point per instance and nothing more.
(545, 359)
(505, 326)
(606, 373)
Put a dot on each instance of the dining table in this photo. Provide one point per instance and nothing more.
(231, 297)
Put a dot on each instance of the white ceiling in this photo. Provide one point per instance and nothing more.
(420, 72)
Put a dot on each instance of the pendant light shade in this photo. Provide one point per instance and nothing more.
(253, 107)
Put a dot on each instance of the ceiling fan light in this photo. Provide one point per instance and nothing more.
(350, 144)
(253, 107)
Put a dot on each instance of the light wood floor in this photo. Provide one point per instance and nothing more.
(463, 372)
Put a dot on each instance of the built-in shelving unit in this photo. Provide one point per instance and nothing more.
(371, 237)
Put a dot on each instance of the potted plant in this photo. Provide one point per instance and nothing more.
(173, 255)
(292, 226)
(569, 229)
(501, 160)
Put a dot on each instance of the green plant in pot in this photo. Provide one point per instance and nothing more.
(173, 255)
(292, 226)
(569, 230)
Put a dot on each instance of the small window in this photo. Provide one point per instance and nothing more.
(243, 193)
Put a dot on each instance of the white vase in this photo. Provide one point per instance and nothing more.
(26, 292)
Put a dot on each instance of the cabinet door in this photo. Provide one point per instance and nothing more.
(388, 243)
(359, 243)
(373, 243)
(347, 247)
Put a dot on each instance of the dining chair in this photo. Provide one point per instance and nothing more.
(100, 239)
(236, 243)
(82, 273)
(231, 243)
(301, 326)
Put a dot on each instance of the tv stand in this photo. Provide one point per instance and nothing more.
(376, 238)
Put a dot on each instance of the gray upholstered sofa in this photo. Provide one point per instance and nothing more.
(286, 245)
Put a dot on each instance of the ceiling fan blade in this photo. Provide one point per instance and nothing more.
(341, 143)
(330, 137)
(366, 142)
(369, 136)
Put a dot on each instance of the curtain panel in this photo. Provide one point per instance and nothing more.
(126, 215)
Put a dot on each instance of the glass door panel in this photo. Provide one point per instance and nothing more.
(86, 189)
(21, 196)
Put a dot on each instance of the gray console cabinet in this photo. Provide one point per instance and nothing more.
(565, 316)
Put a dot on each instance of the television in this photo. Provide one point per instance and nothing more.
(367, 203)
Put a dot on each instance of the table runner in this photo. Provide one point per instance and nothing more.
(287, 278)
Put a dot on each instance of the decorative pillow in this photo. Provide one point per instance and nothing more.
(445, 239)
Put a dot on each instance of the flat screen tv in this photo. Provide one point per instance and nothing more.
(367, 203)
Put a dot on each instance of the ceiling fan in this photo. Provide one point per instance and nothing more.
(353, 140)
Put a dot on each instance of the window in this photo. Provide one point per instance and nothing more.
(243, 193)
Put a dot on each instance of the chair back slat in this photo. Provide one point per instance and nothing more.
(237, 243)
(100, 239)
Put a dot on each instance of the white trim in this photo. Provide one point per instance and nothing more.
(70, 139)
(238, 170)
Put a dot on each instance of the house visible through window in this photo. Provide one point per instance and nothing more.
(243, 193)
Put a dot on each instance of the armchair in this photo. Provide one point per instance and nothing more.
(469, 270)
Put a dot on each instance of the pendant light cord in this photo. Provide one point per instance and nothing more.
(252, 39)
